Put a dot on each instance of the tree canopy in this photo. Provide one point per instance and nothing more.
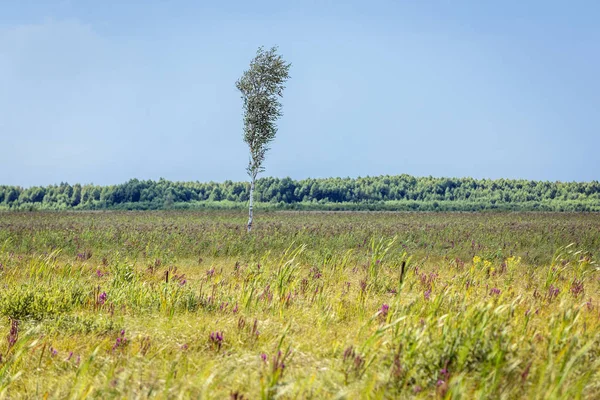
(402, 192)
(261, 86)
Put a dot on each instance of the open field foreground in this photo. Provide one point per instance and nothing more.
(310, 305)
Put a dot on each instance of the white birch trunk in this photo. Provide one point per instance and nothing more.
(251, 204)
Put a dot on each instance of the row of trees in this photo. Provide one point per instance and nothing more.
(369, 190)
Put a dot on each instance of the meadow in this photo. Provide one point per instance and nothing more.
(187, 304)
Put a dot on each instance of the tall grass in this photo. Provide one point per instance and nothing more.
(178, 305)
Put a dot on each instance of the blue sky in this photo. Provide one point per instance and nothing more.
(106, 91)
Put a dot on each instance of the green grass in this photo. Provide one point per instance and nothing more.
(310, 305)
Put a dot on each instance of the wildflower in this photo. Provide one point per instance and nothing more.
(442, 388)
(589, 304)
(279, 362)
(102, 298)
(503, 267)
(384, 310)
(263, 357)
(53, 352)
(577, 288)
(355, 362)
(13, 335)
(184, 347)
(427, 294)
(552, 292)
(216, 339)
(363, 285)
(495, 291)
(70, 356)
(397, 370)
(121, 341)
(348, 353)
(525, 372)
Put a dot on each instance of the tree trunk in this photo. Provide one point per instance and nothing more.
(250, 206)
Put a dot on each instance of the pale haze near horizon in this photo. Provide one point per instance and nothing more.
(104, 92)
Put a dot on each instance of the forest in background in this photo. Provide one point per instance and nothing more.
(400, 193)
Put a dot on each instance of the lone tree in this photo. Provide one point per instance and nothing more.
(261, 87)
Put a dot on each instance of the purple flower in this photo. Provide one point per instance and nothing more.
(384, 310)
(577, 288)
(552, 292)
(445, 374)
(495, 291)
(279, 361)
(216, 339)
(427, 294)
(13, 336)
(263, 357)
(102, 298)
(121, 341)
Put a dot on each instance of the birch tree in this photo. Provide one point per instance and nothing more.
(261, 87)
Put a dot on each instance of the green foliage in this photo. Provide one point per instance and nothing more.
(261, 86)
(39, 302)
(391, 193)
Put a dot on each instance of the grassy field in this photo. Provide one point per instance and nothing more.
(310, 305)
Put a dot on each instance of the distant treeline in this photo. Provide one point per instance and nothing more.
(402, 192)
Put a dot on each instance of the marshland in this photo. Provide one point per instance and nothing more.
(170, 304)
